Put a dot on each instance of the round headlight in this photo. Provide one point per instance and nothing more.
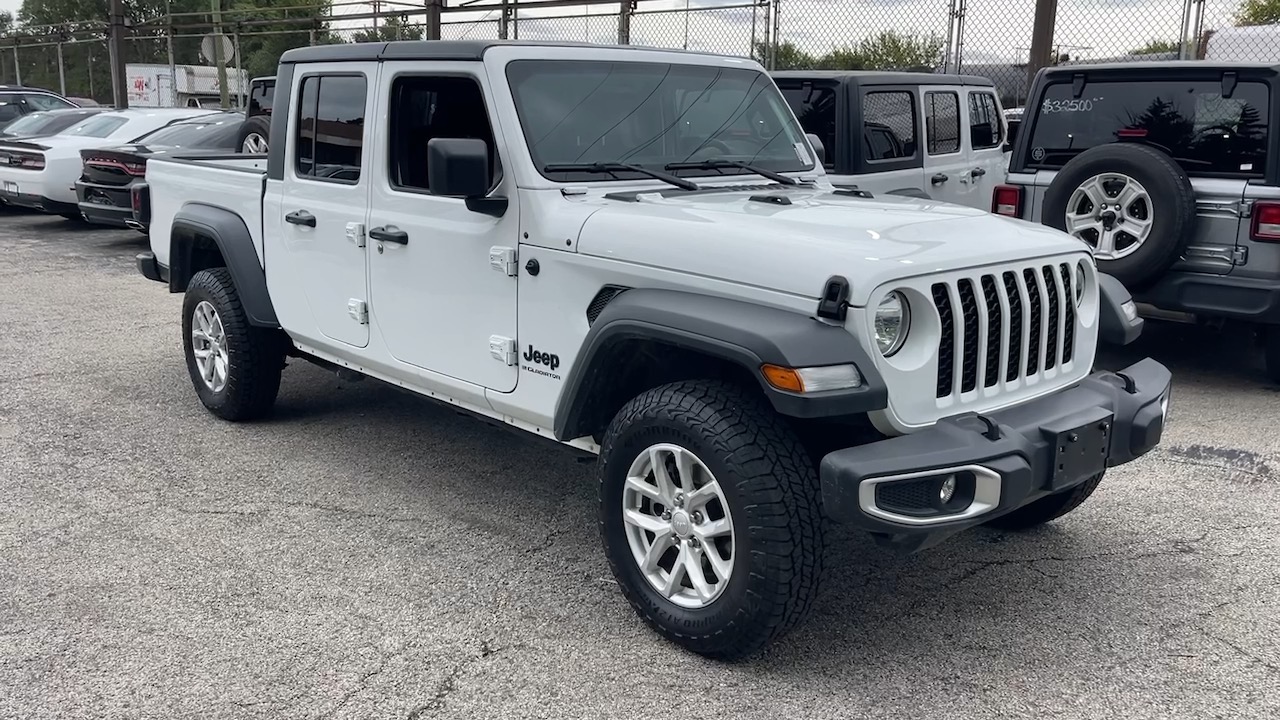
(893, 317)
(1079, 282)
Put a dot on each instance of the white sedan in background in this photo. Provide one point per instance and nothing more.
(42, 174)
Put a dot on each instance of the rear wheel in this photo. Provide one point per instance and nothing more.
(1048, 508)
(710, 517)
(253, 135)
(234, 366)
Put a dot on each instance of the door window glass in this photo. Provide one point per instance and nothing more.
(984, 121)
(423, 108)
(889, 125)
(330, 140)
(942, 122)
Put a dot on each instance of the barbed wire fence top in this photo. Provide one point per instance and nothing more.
(982, 37)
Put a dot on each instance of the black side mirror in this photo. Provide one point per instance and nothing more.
(459, 167)
(818, 148)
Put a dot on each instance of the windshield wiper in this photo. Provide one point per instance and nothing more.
(614, 167)
(718, 164)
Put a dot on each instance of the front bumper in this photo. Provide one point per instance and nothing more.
(1001, 461)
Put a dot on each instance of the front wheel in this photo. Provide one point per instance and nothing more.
(710, 517)
(1049, 508)
(234, 366)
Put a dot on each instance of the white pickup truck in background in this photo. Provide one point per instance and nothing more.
(566, 240)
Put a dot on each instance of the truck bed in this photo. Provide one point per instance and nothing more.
(235, 182)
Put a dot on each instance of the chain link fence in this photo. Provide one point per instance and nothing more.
(983, 37)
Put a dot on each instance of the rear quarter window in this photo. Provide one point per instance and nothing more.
(1206, 133)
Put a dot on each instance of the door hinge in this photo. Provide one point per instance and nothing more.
(355, 233)
(1240, 255)
(503, 349)
(358, 310)
(503, 259)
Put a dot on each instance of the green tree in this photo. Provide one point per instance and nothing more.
(1258, 12)
(887, 51)
(391, 29)
(786, 57)
(267, 28)
(1155, 46)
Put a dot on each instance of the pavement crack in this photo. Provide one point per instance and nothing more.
(362, 683)
(449, 684)
(350, 512)
(1242, 652)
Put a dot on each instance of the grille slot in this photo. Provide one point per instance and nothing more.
(1004, 327)
(947, 345)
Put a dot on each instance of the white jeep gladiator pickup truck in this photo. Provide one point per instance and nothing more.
(636, 253)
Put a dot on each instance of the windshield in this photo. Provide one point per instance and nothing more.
(1205, 132)
(653, 115)
(99, 126)
(217, 134)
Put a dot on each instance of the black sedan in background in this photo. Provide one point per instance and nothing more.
(105, 188)
(46, 123)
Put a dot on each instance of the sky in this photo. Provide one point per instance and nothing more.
(995, 30)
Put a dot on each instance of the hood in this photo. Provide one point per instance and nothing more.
(793, 239)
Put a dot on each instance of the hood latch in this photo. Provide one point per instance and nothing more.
(834, 304)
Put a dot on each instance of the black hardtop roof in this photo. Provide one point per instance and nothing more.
(883, 77)
(1165, 66)
(460, 50)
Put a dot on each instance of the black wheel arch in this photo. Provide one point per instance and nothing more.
(731, 335)
(205, 236)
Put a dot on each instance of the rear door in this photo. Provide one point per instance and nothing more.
(947, 166)
(325, 194)
(986, 144)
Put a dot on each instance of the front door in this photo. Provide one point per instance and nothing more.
(442, 275)
(324, 199)
(946, 163)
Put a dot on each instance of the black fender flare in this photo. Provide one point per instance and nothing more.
(1114, 327)
(910, 192)
(742, 333)
(196, 222)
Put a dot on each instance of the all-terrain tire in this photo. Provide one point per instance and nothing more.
(1172, 206)
(771, 488)
(1048, 508)
(255, 355)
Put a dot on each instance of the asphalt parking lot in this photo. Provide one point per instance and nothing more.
(367, 554)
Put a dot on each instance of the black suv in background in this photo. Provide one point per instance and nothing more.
(254, 133)
(1169, 172)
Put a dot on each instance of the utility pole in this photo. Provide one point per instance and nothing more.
(218, 60)
(115, 51)
(1042, 38)
(432, 19)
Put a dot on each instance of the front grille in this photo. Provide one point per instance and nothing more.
(1021, 322)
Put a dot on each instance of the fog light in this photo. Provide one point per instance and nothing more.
(948, 489)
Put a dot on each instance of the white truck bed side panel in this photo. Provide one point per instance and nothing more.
(235, 185)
